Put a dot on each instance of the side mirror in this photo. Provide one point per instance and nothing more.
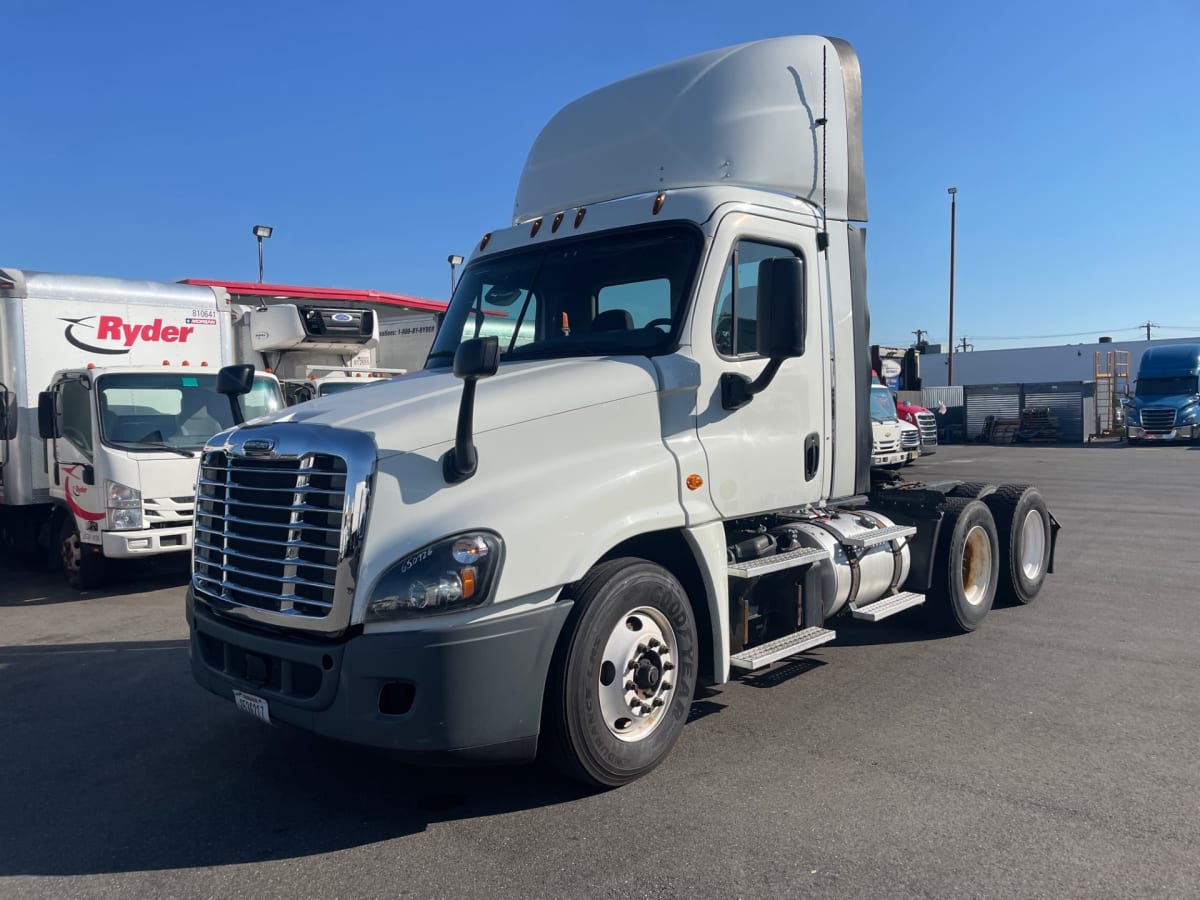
(782, 310)
(782, 327)
(234, 382)
(474, 359)
(48, 416)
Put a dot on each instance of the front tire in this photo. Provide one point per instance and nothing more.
(966, 567)
(621, 683)
(83, 564)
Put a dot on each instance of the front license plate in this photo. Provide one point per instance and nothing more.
(256, 706)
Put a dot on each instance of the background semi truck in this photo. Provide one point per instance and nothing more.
(638, 458)
(109, 392)
(1165, 405)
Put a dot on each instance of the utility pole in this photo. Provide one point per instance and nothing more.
(953, 192)
(920, 333)
(963, 345)
(1148, 325)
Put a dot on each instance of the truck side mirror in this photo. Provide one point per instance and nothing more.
(48, 416)
(474, 359)
(782, 310)
(234, 382)
(782, 327)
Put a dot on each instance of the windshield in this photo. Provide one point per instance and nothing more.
(1164, 387)
(154, 410)
(883, 409)
(617, 293)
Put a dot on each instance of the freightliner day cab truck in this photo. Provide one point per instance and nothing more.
(653, 470)
(1165, 405)
(108, 393)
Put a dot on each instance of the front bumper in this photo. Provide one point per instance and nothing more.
(470, 693)
(1178, 433)
(147, 542)
(897, 458)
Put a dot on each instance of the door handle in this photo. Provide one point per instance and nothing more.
(812, 456)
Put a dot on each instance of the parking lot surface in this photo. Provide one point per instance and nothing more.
(1053, 753)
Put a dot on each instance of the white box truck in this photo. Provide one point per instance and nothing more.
(638, 456)
(109, 391)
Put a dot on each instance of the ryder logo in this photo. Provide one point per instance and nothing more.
(121, 335)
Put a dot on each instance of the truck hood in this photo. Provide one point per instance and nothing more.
(1168, 401)
(421, 410)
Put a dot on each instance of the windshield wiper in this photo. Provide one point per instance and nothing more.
(153, 445)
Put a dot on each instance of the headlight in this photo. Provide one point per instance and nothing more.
(455, 573)
(1187, 415)
(124, 519)
(1133, 416)
(122, 496)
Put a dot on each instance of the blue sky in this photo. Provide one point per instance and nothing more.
(145, 139)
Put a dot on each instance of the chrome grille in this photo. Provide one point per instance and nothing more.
(910, 439)
(269, 532)
(1158, 418)
(928, 425)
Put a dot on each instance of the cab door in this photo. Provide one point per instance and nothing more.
(71, 448)
(771, 453)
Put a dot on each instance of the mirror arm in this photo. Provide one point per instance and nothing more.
(737, 390)
(460, 461)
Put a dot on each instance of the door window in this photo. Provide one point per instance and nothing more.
(735, 326)
(77, 416)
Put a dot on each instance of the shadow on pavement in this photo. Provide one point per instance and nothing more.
(25, 582)
(115, 761)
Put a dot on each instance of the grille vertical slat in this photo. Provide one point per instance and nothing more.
(1158, 418)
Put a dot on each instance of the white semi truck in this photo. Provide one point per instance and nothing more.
(109, 392)
(638, 456)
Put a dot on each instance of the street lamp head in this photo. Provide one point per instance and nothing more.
(951, 190)
(262, 231)
(454, 259)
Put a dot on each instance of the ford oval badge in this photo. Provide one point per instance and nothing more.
(342, 317)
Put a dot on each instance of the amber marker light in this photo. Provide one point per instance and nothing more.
(467, 576)
(694, 482)
(487, 237)
(557, 221)
(537, 223)
(658, 202)
(579, 216)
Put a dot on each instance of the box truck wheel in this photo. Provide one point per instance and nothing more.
(82, 564)
(1023, 522)
(621, 683)
(966, 567)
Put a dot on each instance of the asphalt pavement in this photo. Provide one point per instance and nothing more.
(1053, 753)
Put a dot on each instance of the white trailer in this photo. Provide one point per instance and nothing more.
(109, 392)
(638, 456)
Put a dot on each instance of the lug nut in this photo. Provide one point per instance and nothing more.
(666, 685)
(630, 686)
(668, 665)
(658, 701)
(642, 648)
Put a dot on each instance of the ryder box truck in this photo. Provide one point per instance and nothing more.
(107, 395)
(638, 456)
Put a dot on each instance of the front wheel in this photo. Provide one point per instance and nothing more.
(83, 564)
(622, 680)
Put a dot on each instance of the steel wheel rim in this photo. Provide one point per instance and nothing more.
(976, 565)
(636, 674)
(1033, 544)
(71, 553)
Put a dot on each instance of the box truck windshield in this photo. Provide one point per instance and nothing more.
(143, 411)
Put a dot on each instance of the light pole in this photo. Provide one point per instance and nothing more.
(455, 260)
(260, 232)
(953, 192)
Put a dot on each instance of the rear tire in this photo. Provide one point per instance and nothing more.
(1023, 524)
(621, 683)
(83, 564)
(972, 490)
(966, 567)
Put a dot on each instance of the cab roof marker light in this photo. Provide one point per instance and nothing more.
(487, 237)
(557, 221)
(579, 216)
(658, 203)
(537, 224)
